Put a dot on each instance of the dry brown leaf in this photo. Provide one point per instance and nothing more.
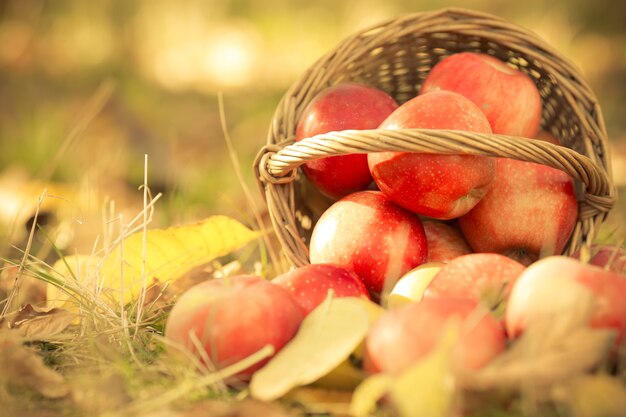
(31, 290)
(24, 368)
(38, 324)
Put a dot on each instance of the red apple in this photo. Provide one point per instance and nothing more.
(439, 186)
(234, 318)
(611, 258)
(549, 288)
(444, 241)
(529, 212)
(481, 277)
(309, 285)
(508, 97)
(367, 233)
(342, 107)
(406, 334)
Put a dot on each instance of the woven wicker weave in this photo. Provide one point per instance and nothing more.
(396, 56)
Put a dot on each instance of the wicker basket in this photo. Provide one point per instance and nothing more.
(396, 56)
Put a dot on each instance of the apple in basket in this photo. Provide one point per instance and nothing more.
(507, 96)
(309, 285)
(232, 318)
(434, 185)
(548, 289)
(342, 107)
(406, 334)
(367, 233)
(445, 242)
(529, 212)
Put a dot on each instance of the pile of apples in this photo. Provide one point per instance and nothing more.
(430, 238)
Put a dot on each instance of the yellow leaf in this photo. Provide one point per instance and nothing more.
(368, 393)
(169, 253)
(326, 338)
(348, 375)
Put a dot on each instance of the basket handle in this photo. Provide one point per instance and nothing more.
(277, 164)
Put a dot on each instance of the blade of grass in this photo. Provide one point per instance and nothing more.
(246, 190)
(21, 266)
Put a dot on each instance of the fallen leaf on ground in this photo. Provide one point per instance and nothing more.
(166, 256)
(326, 338)
(22, 367)
(38, 324)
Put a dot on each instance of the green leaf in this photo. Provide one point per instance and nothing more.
(327, 336)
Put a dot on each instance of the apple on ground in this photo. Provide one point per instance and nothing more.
(309, 285)
(445, 242)
(434, 185)
(368, 234)
(232, 318)
(481, 277)
(508, 97)
(548, 288)
(529, 212)
(609, 257)
(406, 334)
(342, 107)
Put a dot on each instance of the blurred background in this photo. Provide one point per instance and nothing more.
(88, 88)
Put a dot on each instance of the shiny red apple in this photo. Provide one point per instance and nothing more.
(481, 277)
(367, 233)
(309, 285)
(406, 334)
(434, 185)
(445, 242)
(232, 318)
(551, 288)
(529, 212)
(342, 107)
(508, 97)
